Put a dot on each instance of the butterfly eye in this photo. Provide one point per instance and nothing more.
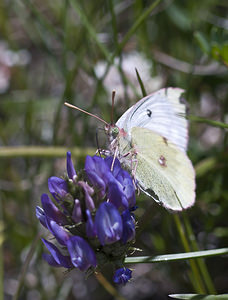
(115, 132)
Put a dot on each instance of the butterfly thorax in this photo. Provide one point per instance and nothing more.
(120, 146)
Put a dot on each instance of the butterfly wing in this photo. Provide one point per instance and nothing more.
(163, 112)
(163, 171)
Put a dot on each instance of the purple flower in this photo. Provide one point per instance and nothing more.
(59, 233)
(123, 189)
(56, 258)
(128, 226)
(90, 227)
(70, 168)
(51, 211)
(77, 212)
(122, 276)
(82, 255)
(57, 187)
(41, 216)
(116, 195)
(97, 172)
(108, 223)
(127, 186)
(116, 166)
(90, 215)
(88, 192)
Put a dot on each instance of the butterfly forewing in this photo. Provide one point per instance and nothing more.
(163, 112)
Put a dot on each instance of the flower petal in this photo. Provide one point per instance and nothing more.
(57, 187)
(128, 226)
(116, 167)
(59, 233)
(82, 255)
(58, 257)
(116, 195)
(52, 211)
(108, 223)
(70, 167)
(88, 192)
(90, 227)
(128, 187)
(122, 276)
(41, 216)
(98, 172)
(77, 212)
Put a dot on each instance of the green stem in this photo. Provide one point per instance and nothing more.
(37, 151)
(1, 253)
(201, 263)
(26, 265)
(196, 279)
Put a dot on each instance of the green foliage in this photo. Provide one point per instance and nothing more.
(54, 51)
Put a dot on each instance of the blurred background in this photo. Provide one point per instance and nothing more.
(79, 51)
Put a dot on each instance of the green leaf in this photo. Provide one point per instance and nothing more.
(199, 297)
(90, 28)
(141, 83)
(207, 121)
(175, 257)
(224, 52)
(202, 42)
(179, 17)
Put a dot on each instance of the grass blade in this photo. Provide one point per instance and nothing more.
(175, 257)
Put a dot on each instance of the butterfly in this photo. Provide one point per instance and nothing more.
(151, 139)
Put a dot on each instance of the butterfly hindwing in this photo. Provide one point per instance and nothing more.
(163, 171)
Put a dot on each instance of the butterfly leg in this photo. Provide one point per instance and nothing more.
(114, 158)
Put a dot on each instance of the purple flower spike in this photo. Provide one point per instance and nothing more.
(82, 255)
(108, 223)
(122, 276)
(57, 187)
(97, 172)
(51, 211)
(59, 258)
(70, 167)
(90, 228)
(59, 233)
(41, 216)
(77, 212)
(128, 226)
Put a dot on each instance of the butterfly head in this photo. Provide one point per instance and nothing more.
(112, 131)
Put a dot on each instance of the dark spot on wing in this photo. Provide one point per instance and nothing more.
(149, 113)
(165, 140)
(139, 106)
(162, 161)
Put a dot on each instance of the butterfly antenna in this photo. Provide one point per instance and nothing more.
(85, 112)
(113, 101)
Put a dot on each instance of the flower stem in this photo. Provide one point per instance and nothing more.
(109, 288)
(195, 278)
(201, 263)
